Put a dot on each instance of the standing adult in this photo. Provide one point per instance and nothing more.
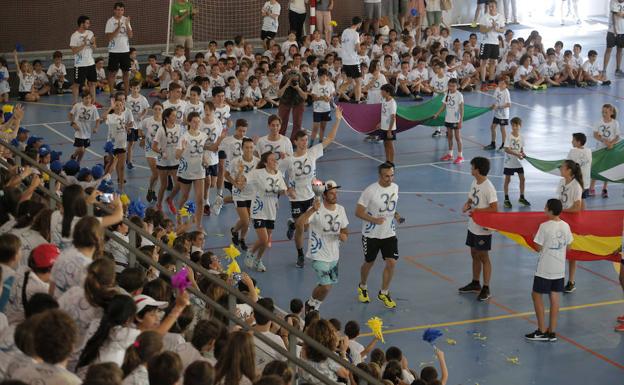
(390, 8)
(182, 12)
(372, 14)
(434, 12)
(296, 17)
(323, 18)
(350, 41)
(491, 25)
(377, 209)
(82, 43)
(510, 5)
(118, 32)
(292, 97)
(615, 36)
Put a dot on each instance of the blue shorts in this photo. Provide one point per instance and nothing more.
(318, 117)
(547, 286)
(479, 242)
(326, 272)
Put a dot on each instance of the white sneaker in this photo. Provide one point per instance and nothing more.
(249, 260)
(217, 205)
(259, 266)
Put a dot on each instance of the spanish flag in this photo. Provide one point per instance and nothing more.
(597, 234)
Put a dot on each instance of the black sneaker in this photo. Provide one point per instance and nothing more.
(243, 245)
(552, 337)
(300, 261)
(169, 183)
(436, 134)
(537, 336)
(291, 229)
(207, 210)
(524, 202)
(235, 239)
(569, 287)
(489, 147)
(472, 287)
(484, 294)
(606, 83)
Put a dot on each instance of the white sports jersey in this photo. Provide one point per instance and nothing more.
(569, 193)
(502, 97)
(514, 143)
(481, 195)
(606, 131)
(180, 106)
(268, 22)
(388, 108)
(150, 127)
(26, 81)
(266, 187)
(199, 108)
(253, 93)
(246, 193)
(418, 74)
(453, 103)
(350, 39)
(488, 21)
(118, 126)
(120, 43)
(281, 146)
(177, 62)
(326, 89)
(232, 95)
(167, 140)
(380, 202)
(618, 27)
(223, 114)
(232, 148)
(82, 58)
(521, 72)
(325, 226)
(548, 70)
(439, 84)
(137, 106)
(318, 47)
(592, 69)
(554, 237)
(191, 163)
(582, 156)
(85, 118)
(301, 171)
(213, 131)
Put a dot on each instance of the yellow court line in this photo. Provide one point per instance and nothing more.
(494, 318)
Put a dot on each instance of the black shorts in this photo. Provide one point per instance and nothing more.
(82, 74)
(118, 151)
(267, 35)
(222, 154)
(547, 286)
(352, 71)
(512, 171)
(615, 40)
(479, 242)
(318, 117)
(482, 1)
(384, 135)
(585, 194)
(185, 181)
(22, 95)
(78, 142)
(389, 248)
(212, 170)
(489, 51)
(299, 207)
(227, 185)
(167, 168)
(501, 122)
(117, 60)
(451, 126)
(246, 204)
(263, 224)
(133, 135)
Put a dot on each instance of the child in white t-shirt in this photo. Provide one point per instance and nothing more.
(27, 91)
(607, 134)
(85, 120)
(552, 240)
(323, 92)
(357, 351)
(582, 156)
(388, 121)
(514, 153)
(453, 104)
(57, 73)
(501, 114)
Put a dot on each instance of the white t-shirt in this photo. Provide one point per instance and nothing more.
(118, 251)
(56, 230)
(318, 47)
(325, 226)
(388, 109)
(177, 62)
(514, 143)
(569, 193)
(69, 270)
(14, 309)
(319, 89)
(521, 72)
(582, 156)
(83, 58)
(453, 103)
(119, 339)
(139, 376)
(356, 349)
(374, 92)
(282, 145)
(191, 163)
(26, 81)
(188, 354)
(301, 171)
(180, 106)
(502, 97)
(29, 239)
(120, 43)
(118, 128)
(265, 353)
(232, 148)
(223, 114)
(253, 93)
(616, 7)
(439, 84)
(380, 202)
(592, 69)
(56, 72)
(246, 193)
(137, 106)
(554, 237)
(270, 24)
(488, 21)
(606, 131)
(349, 41)
(232, 95)
(266, 187)
(150, 127)
(45, 374)
(75, 304)
(199, 108)
(167, 144)
(213, 131)
(85, 118)
(482, 195)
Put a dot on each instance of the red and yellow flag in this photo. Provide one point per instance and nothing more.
(597, 234)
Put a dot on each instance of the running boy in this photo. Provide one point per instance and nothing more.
(85, 120)
(514, 153)
(501, 114)
(138, 105)
(453, 103)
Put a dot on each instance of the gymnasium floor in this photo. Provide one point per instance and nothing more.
(484, 342)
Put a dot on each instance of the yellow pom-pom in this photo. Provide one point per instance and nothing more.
(46, 177)
(184, 212)
(451, 341)
(376, 324)
(170, 238)
(7, 108)
(138, 76)
(231, 252)
(125, 200)
(8, 131)
(333, 23)
(233, 268)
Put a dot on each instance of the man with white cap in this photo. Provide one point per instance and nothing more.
(327, 222)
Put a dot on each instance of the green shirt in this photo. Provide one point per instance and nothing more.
(185, 26)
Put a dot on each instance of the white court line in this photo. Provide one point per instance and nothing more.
(440, 192)
(441, 162)
(43, 124)
(462, 172)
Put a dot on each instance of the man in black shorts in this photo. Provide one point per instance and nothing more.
(82, 42)
(118, 32)
(615, 36)
(350, 41)
(491, 25)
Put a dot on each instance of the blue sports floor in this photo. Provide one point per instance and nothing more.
(484, 342)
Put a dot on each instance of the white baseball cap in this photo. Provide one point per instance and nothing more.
(142, 300)
(330, 185)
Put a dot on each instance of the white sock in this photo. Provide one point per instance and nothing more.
(460, 154)
(363, 287)
(450, 152)
(384, 292)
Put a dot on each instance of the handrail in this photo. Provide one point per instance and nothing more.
(232, 291)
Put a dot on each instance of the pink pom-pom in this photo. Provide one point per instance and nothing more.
(180, 280)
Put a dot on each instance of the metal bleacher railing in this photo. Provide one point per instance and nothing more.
(233, 293)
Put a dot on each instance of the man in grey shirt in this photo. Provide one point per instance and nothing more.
(372, 14)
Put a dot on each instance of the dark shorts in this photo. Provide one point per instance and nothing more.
(614, 40)
(352, 71)
(547, 286)
(22, 96)
(167, 168)
(83, 74)
(222, 154)
(246, 204)
(585, 194)
(318, 117)
(263, 224)
(78, 142)
(185, 181)
(482, 1)
(479, 242)
(267, 35)
(227, 185)
(383, 135)
(299, 207)
(117, 60)
(118, 151)
(502, 122)
(512, 171)
(489, 51)
(133, 135)
(389, 248)
(451, 126)
(212, 170)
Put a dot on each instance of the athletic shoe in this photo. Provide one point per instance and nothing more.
(472, 287)
(218, 204)
(387, 301)
(592, 192)
(501, 148)
(484, 294)
(207, 210)
(619, 73)
(458, 160)
(249, 260)
(259, 266)
(524, 202)
(507, 204)
(605, 194)
(363, 295)
(542, 87)
(243, 245)
(235, 239)
(291, 229)
(581, 84)
(606, 83)
(492, 86)
(536, 336)
(436, 133)
(300, 261)
(129, 165)
(446, 157)
(151, 196)
(484, 87)
(473, 24)
(620, 319)
(619, 328)
(489, 147)
(552, 337)
(569, 287)
(171, 206)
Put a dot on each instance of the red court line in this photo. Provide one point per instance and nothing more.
(598, 274)
(457, 251)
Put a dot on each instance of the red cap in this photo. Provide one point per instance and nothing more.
(44, 256)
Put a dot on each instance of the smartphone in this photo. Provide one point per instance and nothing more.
(105, 198)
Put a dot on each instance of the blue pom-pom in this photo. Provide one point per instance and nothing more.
(55, 155)
(137, 208)
(430, 335)
(414, 12)
(7, 116)
(106, 186)
(19, 47)
(109, 147)
(190, 207)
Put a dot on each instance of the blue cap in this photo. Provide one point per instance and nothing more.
(83, 173)
(33, 139)
(97, 171)
(22, 130)
(44, 150)
(56, 166)
(106, 186)
(55, 155)
(15, 142)
(71, 167)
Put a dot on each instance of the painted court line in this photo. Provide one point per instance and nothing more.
(436, 163)
(42, 124)
(462, 172)
(442, 192)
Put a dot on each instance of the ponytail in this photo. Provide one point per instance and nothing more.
(99, 282)
(74, 205)
(166, 113)
(147, 345)
(575, 169)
